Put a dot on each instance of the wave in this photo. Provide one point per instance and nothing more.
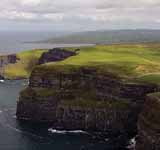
(66, 131)
(1, 81)
(132, 143)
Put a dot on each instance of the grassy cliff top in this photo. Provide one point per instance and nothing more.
(25, 63)
(131, 61)
(138, 62)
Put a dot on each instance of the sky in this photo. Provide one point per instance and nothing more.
(79, 15)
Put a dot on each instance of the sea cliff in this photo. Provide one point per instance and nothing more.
(93, 91)
(82, 99)
(19, 65)
(149, 124)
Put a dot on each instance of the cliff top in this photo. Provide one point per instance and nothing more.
(26, 60)
(132, 61)
(136, 62)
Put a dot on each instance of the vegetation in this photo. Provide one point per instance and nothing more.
(135, 62)
(25, 63)
(38, 92)
(84, 103)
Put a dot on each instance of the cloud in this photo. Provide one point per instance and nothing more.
(106, 12)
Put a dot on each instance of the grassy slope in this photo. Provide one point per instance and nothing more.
(140, 61)
(23, 67)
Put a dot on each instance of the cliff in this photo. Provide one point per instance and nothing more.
(20, 65)
(82, 99)
(102, 88)
(24, 64)
(149, 124)
(8, 59)
(5, 60)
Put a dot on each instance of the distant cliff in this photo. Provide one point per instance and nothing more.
(5, 60)
(8, 59)
(20, 65)
(55, 54)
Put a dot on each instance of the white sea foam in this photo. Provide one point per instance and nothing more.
(65, 131)
(132, 143)
(15, 117)
(1, 81)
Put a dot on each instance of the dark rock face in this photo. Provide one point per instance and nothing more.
(40, 111)
(55, 54)
(83, 99)
(1, 77)
(8, 59)
(12, 59)
(149, 124)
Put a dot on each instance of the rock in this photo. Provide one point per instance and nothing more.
(8, 59)
(83, 99)
(12, 59)
(1, 77)
(149, 124)
(55, 54)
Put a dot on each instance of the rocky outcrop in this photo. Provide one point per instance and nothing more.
(8, 59)
(149, 124)
(55, 54)
(83, 99)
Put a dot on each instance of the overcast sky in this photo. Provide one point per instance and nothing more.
(79, 15)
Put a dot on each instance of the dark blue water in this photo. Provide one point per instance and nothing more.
(15, 135)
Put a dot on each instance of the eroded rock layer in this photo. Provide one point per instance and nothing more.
(149, 124)
(82, 99)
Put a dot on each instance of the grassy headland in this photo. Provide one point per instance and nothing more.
(138, 62)
(25, 63)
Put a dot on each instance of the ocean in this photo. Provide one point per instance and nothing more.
(16, 41)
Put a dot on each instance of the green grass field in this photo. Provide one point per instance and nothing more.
(138, 62)
(23, 67)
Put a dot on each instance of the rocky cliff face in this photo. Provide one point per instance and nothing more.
(55, 54)
(149, 124)
(7, 59)
(83, 99)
